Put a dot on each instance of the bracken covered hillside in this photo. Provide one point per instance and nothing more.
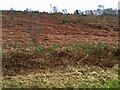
(55, 50)
(57, 28)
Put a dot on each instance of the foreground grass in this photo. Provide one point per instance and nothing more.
(75, 77)
(90, 65)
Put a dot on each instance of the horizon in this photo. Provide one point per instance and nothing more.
(71, 5)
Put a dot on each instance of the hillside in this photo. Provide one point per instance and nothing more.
(47, 29)
(55, 50)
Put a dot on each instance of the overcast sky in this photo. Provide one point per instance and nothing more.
(44, 5)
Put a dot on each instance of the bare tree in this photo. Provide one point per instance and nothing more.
(11, 9)
(55, 10)
(64, 11)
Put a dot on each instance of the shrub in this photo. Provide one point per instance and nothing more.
(15, 55)
(99, 50)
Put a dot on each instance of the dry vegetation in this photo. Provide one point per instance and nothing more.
(54, 50)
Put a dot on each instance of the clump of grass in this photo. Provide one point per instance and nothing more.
(39, 52)
(55, 46)
(100, 50)
(64, 21)
(38, 49)
(14, 55)
(86, 19)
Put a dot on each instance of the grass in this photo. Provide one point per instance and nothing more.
(74, 51)
(99, 22)
(85, 19)
(77, 19)
(78, 71)
(77, 77)
(99, 49)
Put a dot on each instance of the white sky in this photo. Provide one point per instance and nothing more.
(44, 5)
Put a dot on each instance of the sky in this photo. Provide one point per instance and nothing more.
(44, 5)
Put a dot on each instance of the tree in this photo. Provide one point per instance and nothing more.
(64, 11)
(55, 10)
(11, 9)
(76, 12)
(36, 11)
(28, 10)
